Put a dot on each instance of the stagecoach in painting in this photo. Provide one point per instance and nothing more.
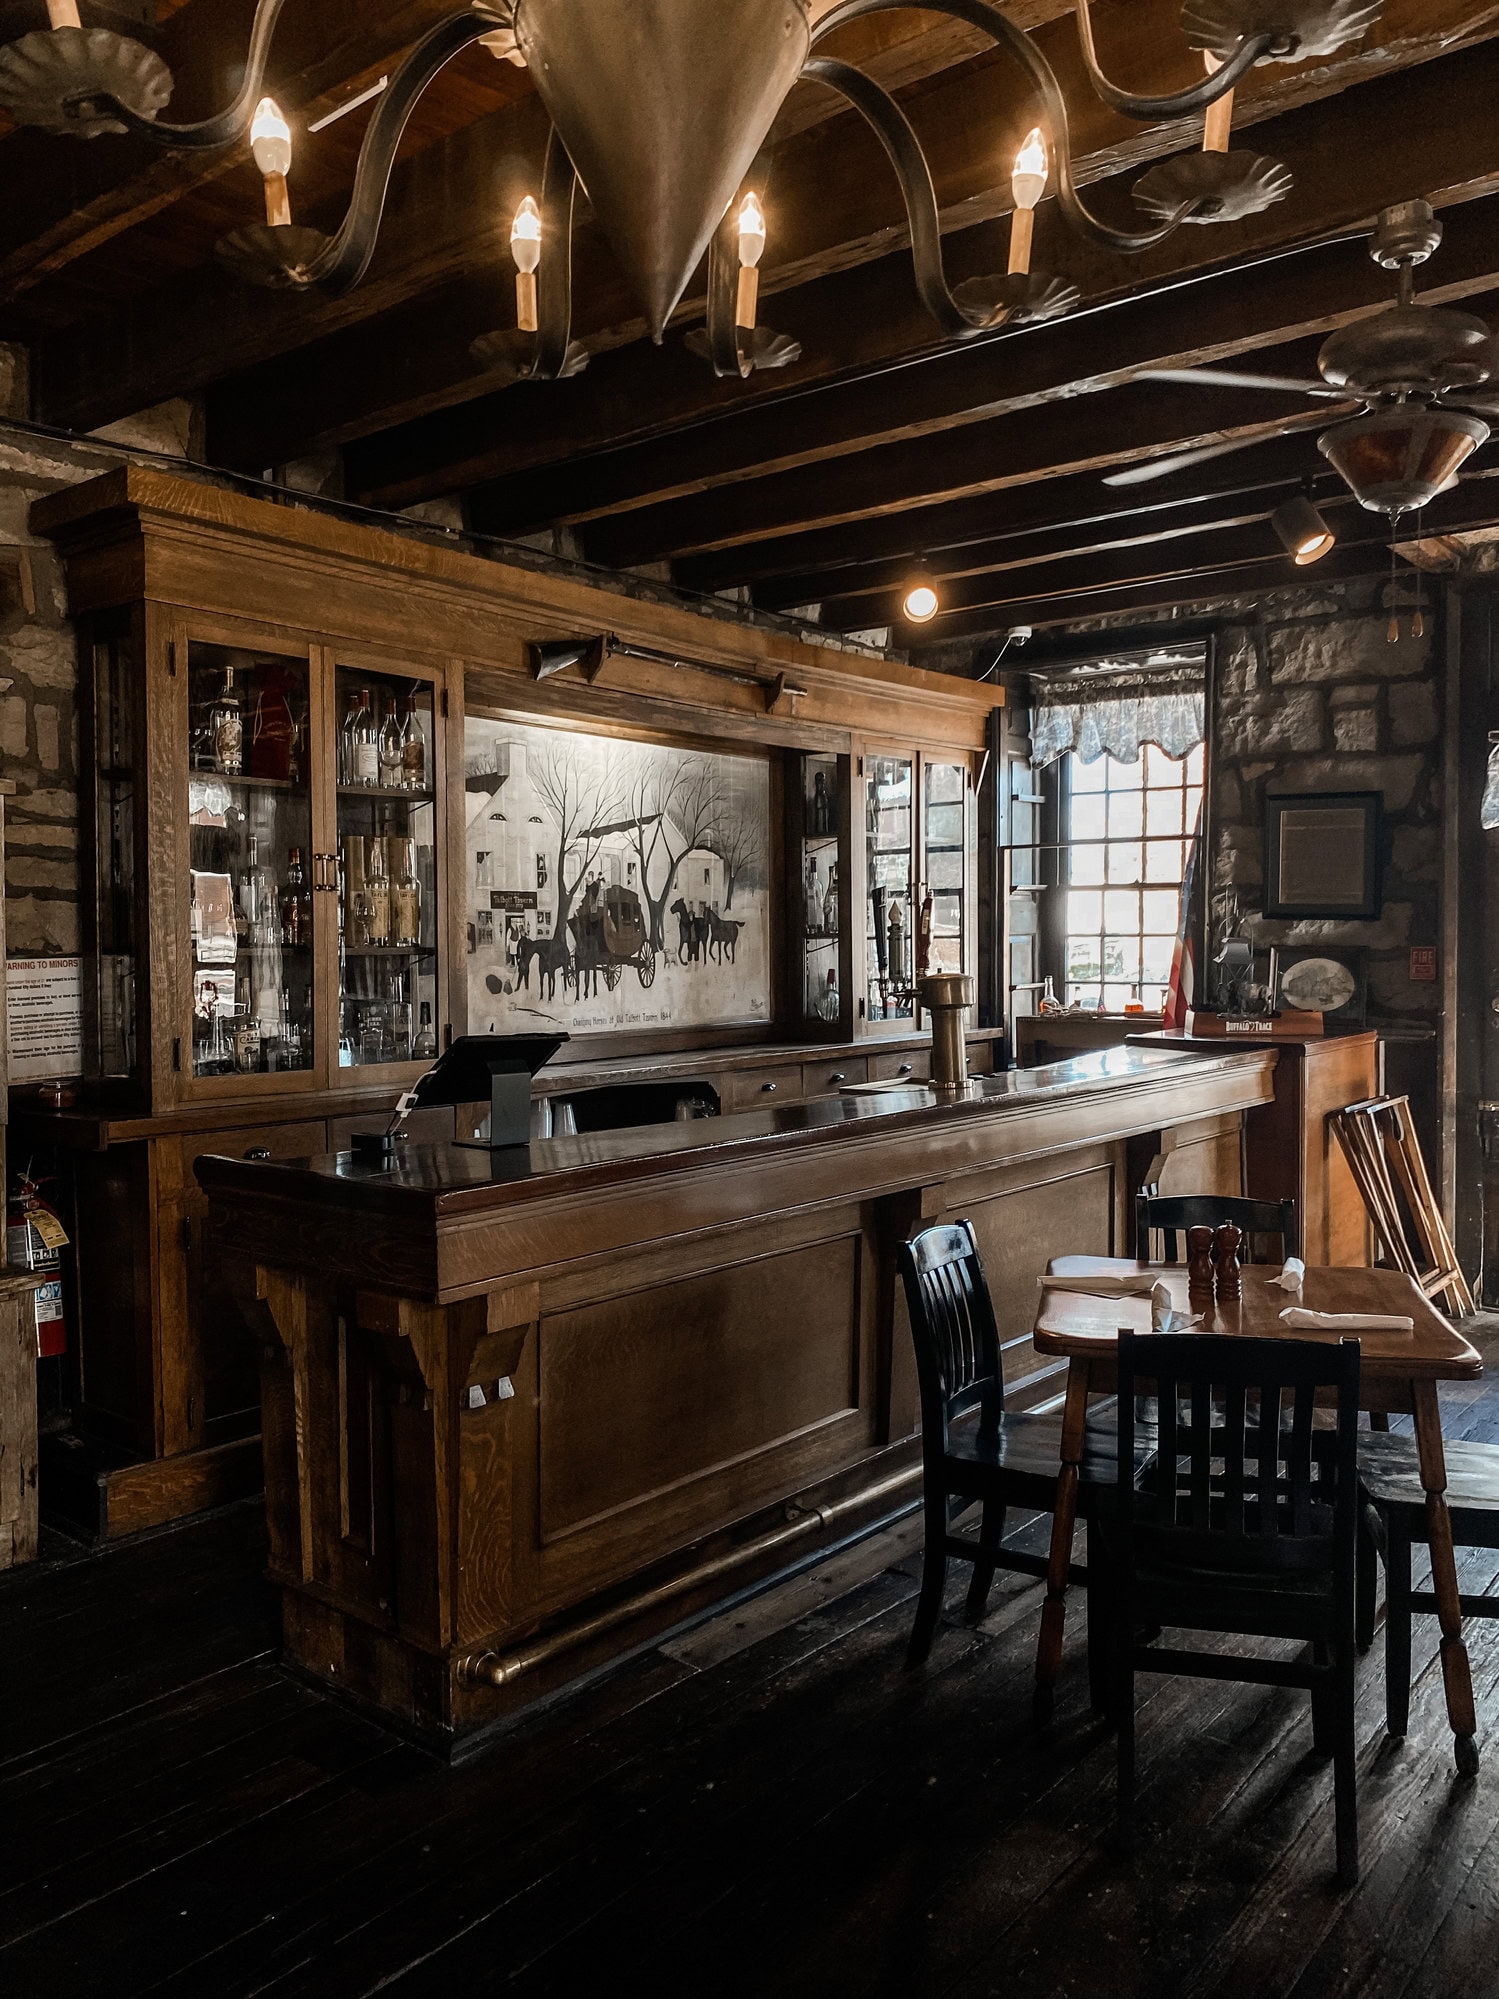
(621, 933)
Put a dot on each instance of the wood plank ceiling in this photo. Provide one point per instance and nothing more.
(821, 484)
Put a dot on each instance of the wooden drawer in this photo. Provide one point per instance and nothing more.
(981, 1058)
(913, 1065)
(826, 1079)
(756, 1089)
(277, 1141)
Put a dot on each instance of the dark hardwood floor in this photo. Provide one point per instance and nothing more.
(768, 1805)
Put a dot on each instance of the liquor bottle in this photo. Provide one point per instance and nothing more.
(830, 1007)
(406, 898)
(830, 903)
(347, 760)
(258, 901)
(897, 945)
(366, 743)
(814, 897)
(296, 904)
(392, 751)
(291, 1033)
(413, 749)
(226, 729)
(424, 1048)
(377, 887)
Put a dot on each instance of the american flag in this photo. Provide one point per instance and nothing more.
(1183, 987)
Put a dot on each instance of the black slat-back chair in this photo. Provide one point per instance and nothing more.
(1243, 1521)
(973, 1449)
(1173, 1214)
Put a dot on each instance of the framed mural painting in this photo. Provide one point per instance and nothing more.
(1322, 854)
(613, 885)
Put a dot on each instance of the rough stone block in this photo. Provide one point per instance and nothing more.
(1396, 777)
(48, 736)
(1355, 729)
(1390, 931)
(1363, 693)
(14, 736)
(1391, 990)
(1293, 721)
(42, 655)
(1414, 716)
(1346, 651)
(31, 871)
(1417, 853)
(41, 926)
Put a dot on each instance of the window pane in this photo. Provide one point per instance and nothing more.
(1088, 994)
(1084, 910)
(1163, 812)
(1164, 861)
(1162, 912)
(1194, 806)
(1086, 865)
(1155, 959)
(1126, 777)
(1121, 958)
(1124, 860)
(1159, 768)
(1089, 777)
(1082, 958)
(1121, 909)
(1125, 814)
(1087, 817)
(1117, 998)
(1194, 765)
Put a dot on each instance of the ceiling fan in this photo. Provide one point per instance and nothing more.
(1415, 368)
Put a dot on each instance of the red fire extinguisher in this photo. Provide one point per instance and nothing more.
(35, 1240)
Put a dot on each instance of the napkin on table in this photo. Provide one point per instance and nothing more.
(1129, 1284)
(1291, 1275)
(1300, 1320)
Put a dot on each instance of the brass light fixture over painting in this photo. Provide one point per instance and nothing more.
(662, 109)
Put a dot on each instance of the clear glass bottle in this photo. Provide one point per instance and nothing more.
(392, 751)
(377, 888)
(296, 904)
(348, 762)
(366, 769)
(413, 749)
(830, 903)
(829, 1008)
(406, 899)
(814, 897)
(424, 1048)
(258, 900)
(226, 729)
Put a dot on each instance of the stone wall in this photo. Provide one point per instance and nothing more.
(1312, 696)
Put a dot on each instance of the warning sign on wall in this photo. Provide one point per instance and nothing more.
(44, 1018)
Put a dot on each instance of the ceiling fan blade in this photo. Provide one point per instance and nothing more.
(1231, 378)
(1162, 468)
(1484, 406)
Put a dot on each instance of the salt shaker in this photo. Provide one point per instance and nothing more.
(1226, 1241)
(1200, 1274)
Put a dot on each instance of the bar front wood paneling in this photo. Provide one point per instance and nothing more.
(521, 1414)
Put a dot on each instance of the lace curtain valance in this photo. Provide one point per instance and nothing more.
(1114, 717)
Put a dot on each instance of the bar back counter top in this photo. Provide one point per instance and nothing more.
(524, 1411)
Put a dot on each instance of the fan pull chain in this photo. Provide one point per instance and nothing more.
(1392, 633)
(1418, 622)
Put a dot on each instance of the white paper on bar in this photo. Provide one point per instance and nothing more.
(1108, 1284)
(1303, 1321)
(1291, 1275)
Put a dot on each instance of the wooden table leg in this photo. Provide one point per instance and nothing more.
(1064, 1521)
(1457, 1677)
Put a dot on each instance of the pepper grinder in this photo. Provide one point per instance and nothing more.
(1200, 1275)
(1226, 1241)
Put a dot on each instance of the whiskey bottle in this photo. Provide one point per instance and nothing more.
(392, 751)
(347, 760)
(296, 904)
(424, 1048)
(406, 898)
(377, 888)
(366, 744)
(413, 749)
(226, 730)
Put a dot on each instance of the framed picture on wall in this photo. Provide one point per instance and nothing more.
(1322, 854)
(1333, 983)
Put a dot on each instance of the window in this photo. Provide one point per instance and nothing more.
(1126, 829)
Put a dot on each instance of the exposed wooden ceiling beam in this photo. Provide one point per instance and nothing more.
(846, 207)
(864, 320)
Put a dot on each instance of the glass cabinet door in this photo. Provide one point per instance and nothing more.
(388, 910)
(821, 899)
(945, 846)
(250, 842)
(890, 875)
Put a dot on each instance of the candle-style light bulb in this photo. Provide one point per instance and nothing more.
(1218, 124)
(1027, 184)
(63, 13)
(751, 249)
(525, 248)
(270, 143)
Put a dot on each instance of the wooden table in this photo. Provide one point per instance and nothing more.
(1399, 1375)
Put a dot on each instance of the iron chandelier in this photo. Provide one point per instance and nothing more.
(661, 110)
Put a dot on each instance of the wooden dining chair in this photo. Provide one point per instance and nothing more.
(1244, 1522)
(1378, 1140)
(1172, 1214)
(973, 1448)
(1390, 1475)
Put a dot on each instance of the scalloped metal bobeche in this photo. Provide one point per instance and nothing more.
(275, 256)
(58, 78)
(1026, 297)
(1311, 27)
(508, 354)
(1214, 187)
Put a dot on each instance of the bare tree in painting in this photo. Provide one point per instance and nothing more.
(675, 804)
(740, 845)
(583, 796)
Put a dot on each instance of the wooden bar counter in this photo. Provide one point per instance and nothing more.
(523, 1412)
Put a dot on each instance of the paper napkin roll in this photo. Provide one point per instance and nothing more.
(1302, 1321)
(1108, 1284)
(1291, 1275)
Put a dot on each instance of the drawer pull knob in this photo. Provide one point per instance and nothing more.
(905, 1068)
(258, 1152)
(838, 1077)
(768, 1087)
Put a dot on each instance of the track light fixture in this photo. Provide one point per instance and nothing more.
(1304, 533)
(920, 601)
(672, 149)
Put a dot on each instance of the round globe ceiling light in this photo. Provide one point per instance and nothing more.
(920, 604)
(1397, 460)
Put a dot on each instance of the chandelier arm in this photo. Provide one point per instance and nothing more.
(725, 349)
(988, 20)
(346, 259)
(1181, 103)
(231, 124)
(559, 188)
(903, 149)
